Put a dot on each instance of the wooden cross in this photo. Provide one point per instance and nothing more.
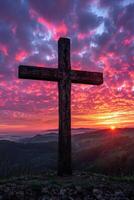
(64, 76)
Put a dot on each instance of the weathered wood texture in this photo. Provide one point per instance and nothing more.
(38, 73)
(94, 78)
(64, 159)
(64, 76)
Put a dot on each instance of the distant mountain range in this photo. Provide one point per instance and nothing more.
(105, 151)
(29, 134)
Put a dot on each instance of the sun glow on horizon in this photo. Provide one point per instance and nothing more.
(112, 127)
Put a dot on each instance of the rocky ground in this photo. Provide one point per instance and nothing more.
(79, 186)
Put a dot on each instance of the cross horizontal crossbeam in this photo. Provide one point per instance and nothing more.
(52, 74)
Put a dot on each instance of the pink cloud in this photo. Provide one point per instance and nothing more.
(4, 49)
(128, 41)
(82, 36)
(21, 55)
(57, 30)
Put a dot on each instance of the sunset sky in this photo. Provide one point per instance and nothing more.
(102, 39)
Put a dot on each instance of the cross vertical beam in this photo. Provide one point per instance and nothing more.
(64, 76)
(64, 86)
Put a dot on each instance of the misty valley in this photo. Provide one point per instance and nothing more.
(108, 152)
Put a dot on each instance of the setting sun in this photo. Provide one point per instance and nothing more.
(112, 127)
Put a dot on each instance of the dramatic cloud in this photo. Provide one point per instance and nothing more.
(102, 39)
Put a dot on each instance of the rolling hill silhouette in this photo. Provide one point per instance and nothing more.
(103, 151)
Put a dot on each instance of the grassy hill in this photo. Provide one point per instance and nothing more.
(77, 187)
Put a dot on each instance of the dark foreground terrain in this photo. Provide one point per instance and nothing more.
(103, 163)
(81, 186)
